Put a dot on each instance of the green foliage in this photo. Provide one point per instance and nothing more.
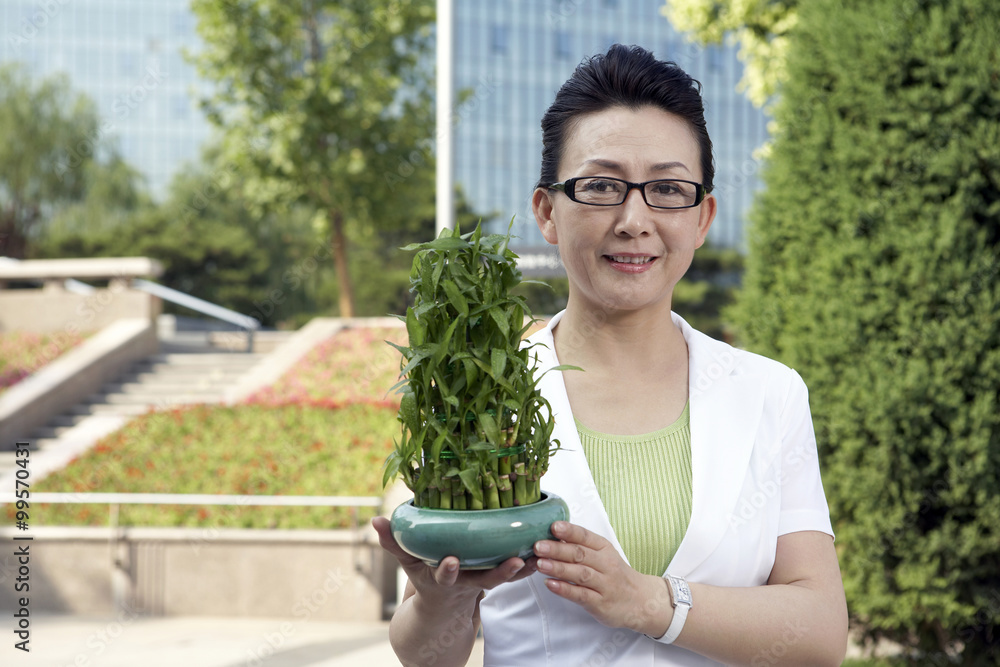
(243, 449)
(761, 27)
(52, 149)
(874, 271)
(324, 104)
(210, 244)
(474, 432)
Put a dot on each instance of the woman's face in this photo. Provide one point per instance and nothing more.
(626, 257)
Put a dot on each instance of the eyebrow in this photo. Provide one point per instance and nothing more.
(660, 166)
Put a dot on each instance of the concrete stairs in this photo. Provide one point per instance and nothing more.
(189, 369)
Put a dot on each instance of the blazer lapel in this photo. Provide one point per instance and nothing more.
(725, 410)
(569, 474)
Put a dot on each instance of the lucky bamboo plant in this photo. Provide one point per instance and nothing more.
(476, 431)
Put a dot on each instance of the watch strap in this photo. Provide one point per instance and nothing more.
(680, 597)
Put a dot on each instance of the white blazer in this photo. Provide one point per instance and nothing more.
(755, 477)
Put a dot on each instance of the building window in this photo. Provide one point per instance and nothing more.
(179, 106)
(562, 44)
(499, 38)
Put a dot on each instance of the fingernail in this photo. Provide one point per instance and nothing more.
(451, 567)
(516, 569)
(544, 565)
(559, 526)
(541, 548)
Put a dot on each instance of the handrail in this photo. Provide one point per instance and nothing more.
(166, 293)
(196, 499)
(201, 306)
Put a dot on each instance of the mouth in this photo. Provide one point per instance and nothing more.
(630, 259)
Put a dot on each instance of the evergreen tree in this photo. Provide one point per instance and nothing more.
(874, 271)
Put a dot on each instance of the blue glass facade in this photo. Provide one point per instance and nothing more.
(126, 56)
(510, 58)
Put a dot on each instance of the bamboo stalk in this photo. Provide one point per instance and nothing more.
(458, 497)
(491, 495)
(477, 503)
(521, 485)
(504, 483)
(445, 496)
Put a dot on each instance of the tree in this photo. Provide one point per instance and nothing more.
(211, 246)
(51, 145)
(873, 269)
(761, 27)
(324, 104)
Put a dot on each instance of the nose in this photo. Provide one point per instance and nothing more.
(633, 215)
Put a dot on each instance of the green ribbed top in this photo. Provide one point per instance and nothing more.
(645, 484)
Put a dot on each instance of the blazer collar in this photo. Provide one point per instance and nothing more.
(725, 409)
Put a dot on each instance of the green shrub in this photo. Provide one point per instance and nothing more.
(874, 271)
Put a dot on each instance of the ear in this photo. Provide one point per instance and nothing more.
(541, 206)
(706, 212)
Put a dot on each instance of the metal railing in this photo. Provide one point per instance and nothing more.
(245, 322)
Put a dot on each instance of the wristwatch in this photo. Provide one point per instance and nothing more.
(680, 598)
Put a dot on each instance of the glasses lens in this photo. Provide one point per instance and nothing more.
(671, 194)
(600, 191)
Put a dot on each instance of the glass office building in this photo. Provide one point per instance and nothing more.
(510, 58)
(126, 56)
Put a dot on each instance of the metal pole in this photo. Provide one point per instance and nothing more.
(445, 192)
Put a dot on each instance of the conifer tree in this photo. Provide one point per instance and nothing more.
(874, 270)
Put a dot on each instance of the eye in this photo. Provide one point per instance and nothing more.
(599, 185)
(666, 188)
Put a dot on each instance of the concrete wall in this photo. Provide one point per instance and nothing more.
(56, 310)
(69, 379)
(324, 575)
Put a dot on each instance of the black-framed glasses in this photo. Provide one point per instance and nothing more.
(604, 191)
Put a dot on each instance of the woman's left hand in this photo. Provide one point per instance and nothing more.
(588, 570)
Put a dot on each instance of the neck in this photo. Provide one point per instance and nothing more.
(626, 341)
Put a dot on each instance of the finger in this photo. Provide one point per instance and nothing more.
(566, 552)
(581, 595)
(581, 575)
(574, 534)
(446, 573)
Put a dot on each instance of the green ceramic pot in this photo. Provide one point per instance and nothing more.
(480, 539)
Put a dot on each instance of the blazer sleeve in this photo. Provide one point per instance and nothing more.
(803, 502)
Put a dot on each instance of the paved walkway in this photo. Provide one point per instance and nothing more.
(75, 641)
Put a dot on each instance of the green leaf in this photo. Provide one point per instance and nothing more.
(498, 361)
(501, 321)
(455, 297)
(490, 428)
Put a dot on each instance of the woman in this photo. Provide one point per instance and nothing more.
(700, 533)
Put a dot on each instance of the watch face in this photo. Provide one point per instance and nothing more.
(681, 591)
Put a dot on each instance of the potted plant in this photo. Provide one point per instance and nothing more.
(476, 431)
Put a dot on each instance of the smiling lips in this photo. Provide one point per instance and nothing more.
(630, 263)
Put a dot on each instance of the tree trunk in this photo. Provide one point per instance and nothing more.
(338, 243)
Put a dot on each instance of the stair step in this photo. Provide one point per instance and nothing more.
(50, 432)
(205, 359)
(156, 398)
(210, 386)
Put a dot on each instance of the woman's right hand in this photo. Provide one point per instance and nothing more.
(446, 585)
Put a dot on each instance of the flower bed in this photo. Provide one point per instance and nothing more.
(244, 449)
(354, 366)
(24, 352)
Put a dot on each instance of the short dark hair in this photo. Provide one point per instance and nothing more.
(630, 77)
